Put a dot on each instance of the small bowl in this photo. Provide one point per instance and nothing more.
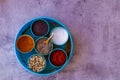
(42, 53)
(49, 57)
(56, 42)
(42, 58)
(21, 47)
(38, 33)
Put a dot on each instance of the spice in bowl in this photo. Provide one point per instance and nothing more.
(43, 47)
(37, 63)
(25, 43)
(40, 27)
(58, 57)
(60, 36)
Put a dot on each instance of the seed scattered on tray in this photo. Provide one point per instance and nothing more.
(37, 63)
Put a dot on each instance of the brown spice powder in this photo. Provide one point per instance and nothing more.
(42, 47)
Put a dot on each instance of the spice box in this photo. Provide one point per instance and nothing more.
(35, 56)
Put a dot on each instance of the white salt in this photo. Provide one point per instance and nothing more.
(60, 36)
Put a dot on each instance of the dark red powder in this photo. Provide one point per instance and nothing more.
(58, 58)
(39, 28)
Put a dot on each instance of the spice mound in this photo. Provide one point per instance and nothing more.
(25, 43)
(58, 58)
(39, 28)
(37, 63)
(42, 47)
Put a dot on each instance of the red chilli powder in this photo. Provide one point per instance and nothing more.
(58, 58)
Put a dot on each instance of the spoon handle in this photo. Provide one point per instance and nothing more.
(47, 41)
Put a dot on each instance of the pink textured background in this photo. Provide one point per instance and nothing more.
(94, 25)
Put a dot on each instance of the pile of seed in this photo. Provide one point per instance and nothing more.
(42, 47)
(37, 63)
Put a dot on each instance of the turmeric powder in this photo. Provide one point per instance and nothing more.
(25, 43)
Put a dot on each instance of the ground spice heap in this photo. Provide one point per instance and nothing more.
(42, 47)
(37, 63)
(57, 57)
(39, 28)
(25, 43)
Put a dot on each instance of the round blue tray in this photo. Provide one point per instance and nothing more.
(23, 58)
